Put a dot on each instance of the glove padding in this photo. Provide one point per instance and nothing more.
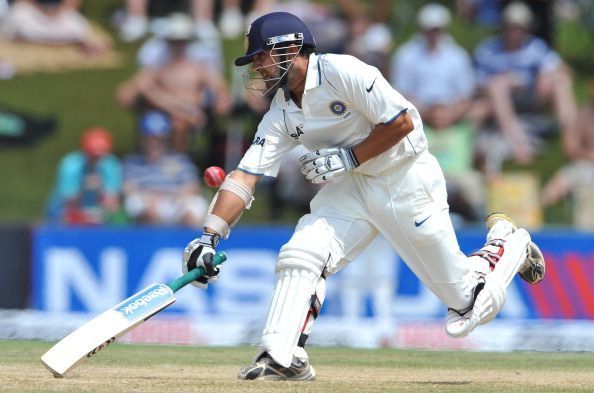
(200, 252)
(331, 164)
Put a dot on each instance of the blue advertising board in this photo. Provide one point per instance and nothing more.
(92, 269)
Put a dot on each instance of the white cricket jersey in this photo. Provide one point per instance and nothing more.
(343, 100)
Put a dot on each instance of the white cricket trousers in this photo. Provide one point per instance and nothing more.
(407, 204)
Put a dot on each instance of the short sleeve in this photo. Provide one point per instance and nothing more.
(270, 143)
(365, 87)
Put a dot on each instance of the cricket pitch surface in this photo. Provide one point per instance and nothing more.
(157, 368)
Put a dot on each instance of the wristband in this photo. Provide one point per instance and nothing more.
(211, 239)
(348, 155)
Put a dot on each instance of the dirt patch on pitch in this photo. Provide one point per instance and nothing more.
(167, 377)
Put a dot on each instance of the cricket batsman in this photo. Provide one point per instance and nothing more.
(367, 146)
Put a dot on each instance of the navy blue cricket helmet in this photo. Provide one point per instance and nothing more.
(274, 30)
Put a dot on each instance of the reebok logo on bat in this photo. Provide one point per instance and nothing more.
(419, 223)
(145, 301)
(371, 87)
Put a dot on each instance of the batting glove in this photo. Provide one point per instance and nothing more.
(327, 165)
(199, 253)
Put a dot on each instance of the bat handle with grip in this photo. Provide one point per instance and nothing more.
(192, 275)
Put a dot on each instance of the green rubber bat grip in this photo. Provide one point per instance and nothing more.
(194, 274)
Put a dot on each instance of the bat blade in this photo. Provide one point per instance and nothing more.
(104, 329)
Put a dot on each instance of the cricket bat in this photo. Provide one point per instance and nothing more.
(104, 329)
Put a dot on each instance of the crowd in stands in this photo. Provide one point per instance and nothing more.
(498, 102)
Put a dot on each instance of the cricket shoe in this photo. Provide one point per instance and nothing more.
(267, 369)
(533, 269)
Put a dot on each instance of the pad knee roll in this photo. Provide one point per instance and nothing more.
(310, 260)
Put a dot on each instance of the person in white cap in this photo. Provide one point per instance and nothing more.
(183, 88)
(431, 68)
(517, 72)
(437, 75)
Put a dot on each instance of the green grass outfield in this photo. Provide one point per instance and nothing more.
(147, 368)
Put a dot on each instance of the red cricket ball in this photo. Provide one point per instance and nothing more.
(214, 176)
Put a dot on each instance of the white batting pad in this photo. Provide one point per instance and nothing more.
(288, 310)
(492, 297)
(515, 252)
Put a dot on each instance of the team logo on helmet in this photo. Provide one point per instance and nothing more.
(246, 40)
(338, 107)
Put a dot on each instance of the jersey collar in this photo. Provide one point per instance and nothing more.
(313, 77)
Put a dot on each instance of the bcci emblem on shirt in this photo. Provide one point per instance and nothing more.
(338, 108)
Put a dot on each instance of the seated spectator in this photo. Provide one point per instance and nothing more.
(520, 74)
(488, 13)
(184, 89)
(56, 22)
(141, 16)
(438, 76)
(452, 145)
(157, 51)
(433, 70)
(368, 39)
(578, 144)
(88, 184)
(161, 187)
(329, 28)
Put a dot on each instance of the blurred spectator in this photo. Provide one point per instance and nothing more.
(433, 70)
(368, 40)
(138, 20)
(519, 74)
(488, 13)
(56, 22)
(157, 51)
(232, 21)
(578, 143)
(185, 89)
(452, 145)
(161, 187)
(543, 12)
(325, 24)
(438, 76)
(88, 183)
